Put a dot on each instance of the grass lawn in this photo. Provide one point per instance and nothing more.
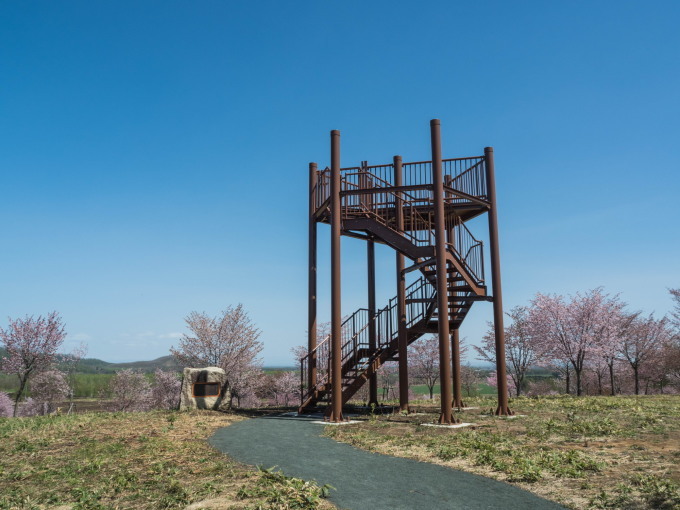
(587, 452)
(134, 461)
(422, 389)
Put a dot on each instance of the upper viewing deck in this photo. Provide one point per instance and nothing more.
(377, 189)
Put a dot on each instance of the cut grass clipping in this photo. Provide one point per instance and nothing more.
(134, 460)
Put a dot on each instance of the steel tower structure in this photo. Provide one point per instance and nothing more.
(419, 209)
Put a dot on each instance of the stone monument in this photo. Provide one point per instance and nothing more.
(205, 388)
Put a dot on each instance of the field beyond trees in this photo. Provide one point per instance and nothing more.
(583, 452)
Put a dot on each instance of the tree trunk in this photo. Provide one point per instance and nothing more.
(568, 381)
(20, 391)
(599, 382)
(611, 376)
(578, 382)
(637, 379)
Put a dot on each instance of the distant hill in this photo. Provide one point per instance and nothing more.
(97, 366)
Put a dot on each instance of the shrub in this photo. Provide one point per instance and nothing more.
(165, 391)
(129, 391)
(542, 387)
(6, 405)
(32, 407)
(47, 389)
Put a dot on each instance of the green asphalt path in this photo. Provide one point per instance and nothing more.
(365, 480)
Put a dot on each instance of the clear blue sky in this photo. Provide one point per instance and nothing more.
(153, 155)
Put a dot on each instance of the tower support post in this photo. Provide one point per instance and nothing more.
(455, 369)
(455, 332)
(503, 408)
(311, 310)
(446, 416)
(366, 201)
(372, 344)
(402, 341)
(336, 311)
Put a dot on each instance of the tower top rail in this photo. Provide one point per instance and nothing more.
(466, 175)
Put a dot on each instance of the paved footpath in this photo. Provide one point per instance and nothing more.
(365, 480)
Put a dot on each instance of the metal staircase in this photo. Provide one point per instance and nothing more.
(420, 210)
(370, 208)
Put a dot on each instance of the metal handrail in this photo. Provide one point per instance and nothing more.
(357, 339)
(421, 232)
(467, 174)
(469, 250)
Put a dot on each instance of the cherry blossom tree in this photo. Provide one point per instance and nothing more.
(522, 350)
(644, 342)
(675, 314)
(245, 385)
(469, 379)
(671, 355)
(597, 369)
(31, 407)
(543, 386)
(48, 388)
(6, 405)
(70, 363)
(287, 387)
(129, 391)
(31, 344)
(424, 361)
(387, 380)
(571, 332)
(607, 353)
(229, 341)
(165, 391)
(492, 380)
(298, 352)
(671, 360)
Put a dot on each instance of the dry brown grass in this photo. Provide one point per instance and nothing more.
(602, 452)
(136, 460)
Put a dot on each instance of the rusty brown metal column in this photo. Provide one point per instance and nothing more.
(372, 344)
(336, 312)
(503, 407)
(455, 370)
(402, 343)
(366, 200)
(455, 334)
(311, 314)
(446, 416)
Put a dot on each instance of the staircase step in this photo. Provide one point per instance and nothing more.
(433, 272)
(463, 299)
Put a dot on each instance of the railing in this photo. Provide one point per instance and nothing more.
(322, 190)
(349, 329)
(467, 175)
(469, 250)
(355, 331)
(368, 195)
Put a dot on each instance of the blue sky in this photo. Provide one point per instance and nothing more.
(153, 155)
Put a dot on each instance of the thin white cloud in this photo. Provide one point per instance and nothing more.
(170, 336)
(80, 337)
